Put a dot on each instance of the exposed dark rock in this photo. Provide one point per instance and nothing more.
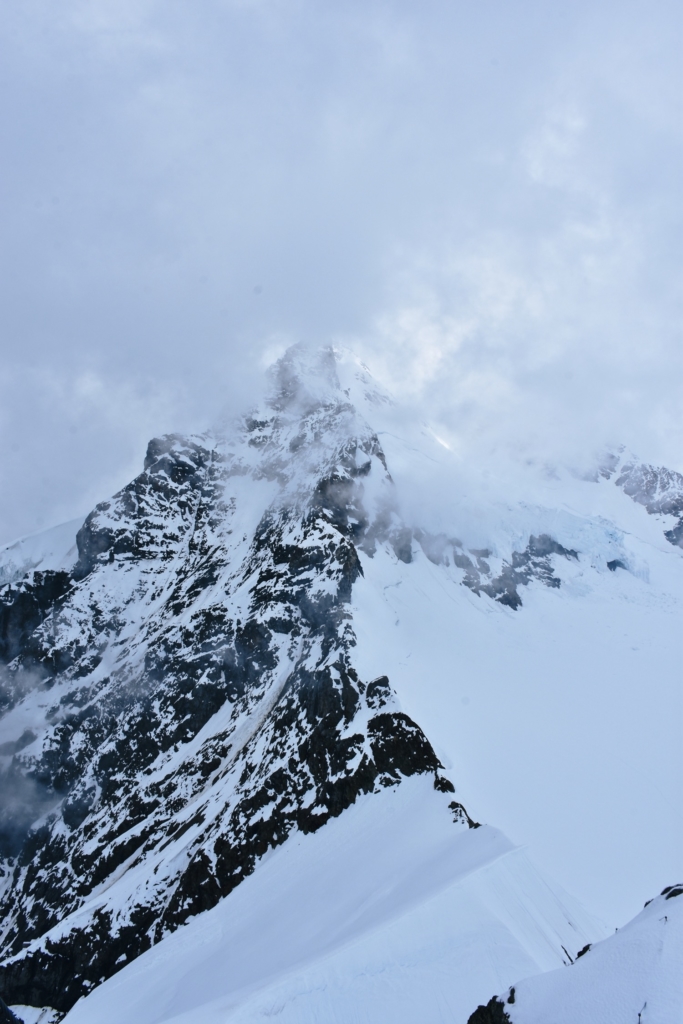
(461, 815)
(492, 1013)
(502, 585)
(25, 604)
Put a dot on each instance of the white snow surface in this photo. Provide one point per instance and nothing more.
(35, 1014)
(387, 914)
(50, 549)
(635, 975)
(560, 721)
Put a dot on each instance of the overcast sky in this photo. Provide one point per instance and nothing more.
(483, 199)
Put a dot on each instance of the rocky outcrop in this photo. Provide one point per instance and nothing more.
(492, 1013)
(502, 581)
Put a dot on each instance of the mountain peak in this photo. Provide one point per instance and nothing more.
(222, 668)
(306, 377)
(303, 379)
(202, 697)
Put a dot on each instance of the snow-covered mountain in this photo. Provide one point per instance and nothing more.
(237, 705)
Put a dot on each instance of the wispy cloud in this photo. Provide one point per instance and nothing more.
(485, 199)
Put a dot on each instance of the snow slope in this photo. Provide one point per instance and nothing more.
(560, 720)
(51, 549)
(388, 914)
(635, 975)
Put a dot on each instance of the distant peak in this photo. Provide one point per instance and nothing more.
(304, 378)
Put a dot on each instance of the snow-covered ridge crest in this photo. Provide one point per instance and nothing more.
(634, 975)
(51, 549)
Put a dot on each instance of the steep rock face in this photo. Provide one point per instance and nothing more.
(190, 687)
(24, 605)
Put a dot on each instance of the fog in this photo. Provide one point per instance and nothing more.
(482, 200)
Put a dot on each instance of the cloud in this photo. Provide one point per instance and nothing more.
(547, 333)
(484, 198)
(52, 468)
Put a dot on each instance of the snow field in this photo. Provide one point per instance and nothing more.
(558, 722)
